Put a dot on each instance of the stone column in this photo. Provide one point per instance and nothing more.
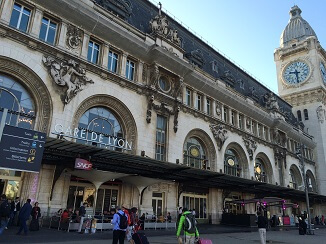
(105, 57)
(194, 97)
(213, 109)
(215, 203)
(7, 7)
(123, 64)
(85, 46)
(36, 23)
(204, 104)
(62, 36)
(184, 95)
(139, 71)
(222, 112)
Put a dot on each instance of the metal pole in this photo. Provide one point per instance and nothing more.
(305, 188)
(3, 121)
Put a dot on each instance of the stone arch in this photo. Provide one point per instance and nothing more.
(38, 90)
(208, 144)
(297, 175)
(118, 108)
(243, 160)
(312, 186)
(268, 166)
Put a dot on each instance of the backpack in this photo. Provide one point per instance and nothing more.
(123, 223)
(5, 209)
(190, 223)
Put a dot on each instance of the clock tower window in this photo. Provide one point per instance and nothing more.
(299, 115)
(306, 116)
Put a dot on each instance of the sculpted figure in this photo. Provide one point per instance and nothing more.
(219, 134)
(67, 74)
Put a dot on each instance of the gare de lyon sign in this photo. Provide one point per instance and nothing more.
(93, 137)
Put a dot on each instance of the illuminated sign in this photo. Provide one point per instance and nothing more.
(83, 164)
(92, 137)
(21, 149)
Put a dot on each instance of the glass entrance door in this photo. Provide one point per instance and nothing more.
(157, 204)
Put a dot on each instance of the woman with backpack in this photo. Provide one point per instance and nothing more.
(188, 224)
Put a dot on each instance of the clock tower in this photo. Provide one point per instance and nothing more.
(301, 75)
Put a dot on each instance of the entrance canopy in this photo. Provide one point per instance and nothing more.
(65, 152)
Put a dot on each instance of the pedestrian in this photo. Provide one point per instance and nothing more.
(4, 212)
(15, 208)
(323, 220)
(36, 214)
(120, 221)
(188, 223)
(23, 216)
(193, 212)
(262, 224)
(82, 214)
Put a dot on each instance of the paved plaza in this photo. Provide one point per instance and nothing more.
(218, 234)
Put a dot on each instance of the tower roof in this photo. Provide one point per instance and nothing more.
(297, 28)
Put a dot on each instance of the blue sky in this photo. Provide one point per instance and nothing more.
(247, 31)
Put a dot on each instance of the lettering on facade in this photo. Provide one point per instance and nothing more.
(68, 74)
(92, 137)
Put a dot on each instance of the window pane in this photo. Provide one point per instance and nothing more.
(14, 18)
(24, 23)
(43, 32)
(51, 36)
(90, 50)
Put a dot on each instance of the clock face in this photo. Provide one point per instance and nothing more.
(194, 152)
(296, 73)
(323, 72)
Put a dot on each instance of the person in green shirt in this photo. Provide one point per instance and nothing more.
(187, 223)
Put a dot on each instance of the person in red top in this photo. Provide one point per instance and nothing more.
(125, 209)
(65, 216)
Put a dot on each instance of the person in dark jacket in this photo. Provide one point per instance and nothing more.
(82, 213)
(262, 224)
(23, 216)
(4, 212)
(15, 208)
(36, 214)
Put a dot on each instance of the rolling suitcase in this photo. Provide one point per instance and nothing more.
(204, 241)
(140, 238)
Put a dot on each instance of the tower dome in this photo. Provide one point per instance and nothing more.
(297, 28)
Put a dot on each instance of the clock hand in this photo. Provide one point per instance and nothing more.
(296, 74)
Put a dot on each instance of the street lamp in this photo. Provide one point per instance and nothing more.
(299, 153)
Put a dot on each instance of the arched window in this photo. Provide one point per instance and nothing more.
(194, 154)
(299, 115)
(306, 116)
(20, 105)
(260, 172)
(293, 182)
(101, 121)
(311, 183)
(231, 163)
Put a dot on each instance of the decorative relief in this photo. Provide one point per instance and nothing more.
(218, 109)
(250, 144)
(160, 26)
(321, 114)
(219, 134)
(67, 74)
(74, 37)
(280, 156)
(196, 57)
(154, 76)
(279, 138)
(228, 78)
(271, 102)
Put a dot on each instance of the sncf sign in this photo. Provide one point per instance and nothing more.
(83, 164)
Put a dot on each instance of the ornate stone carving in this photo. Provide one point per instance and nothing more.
(250, 144)
(321, 114)
(196, 57)
(178, 85)
(279, 138)
(271, 101)
(280, 155)
(67, 74)
(74, 37)
(176, 110)
(149, 109)
(154, 76)
(218, 109)
(228, 78)
(160, 26)
(219, 134)
(35, 86)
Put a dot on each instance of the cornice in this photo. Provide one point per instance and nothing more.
(306, 97)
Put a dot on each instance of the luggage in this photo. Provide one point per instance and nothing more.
(34, 225)
(204, 241)
(140, 238)
(301, 231)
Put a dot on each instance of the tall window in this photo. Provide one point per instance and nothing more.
(198, 101)
(240, 121)
(130, 70)
(260, 172)
(48, 30)
(197, 202)
(93, 52)
(208, 106)
(158, 203)
(306, 116)
(20, 17)
(232, 117)
(194, 154)
(160, 148)
(226, 114)
(299, 115)
(188, 97)
(18, 101)
(293, 183)
(101, 121)
(231, 163)
(113, 61)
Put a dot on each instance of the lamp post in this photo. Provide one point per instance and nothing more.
(299, 153)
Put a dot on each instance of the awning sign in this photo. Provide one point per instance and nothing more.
(21, 149)
(83, 164)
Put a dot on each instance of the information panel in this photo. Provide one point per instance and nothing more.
(21, 149)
